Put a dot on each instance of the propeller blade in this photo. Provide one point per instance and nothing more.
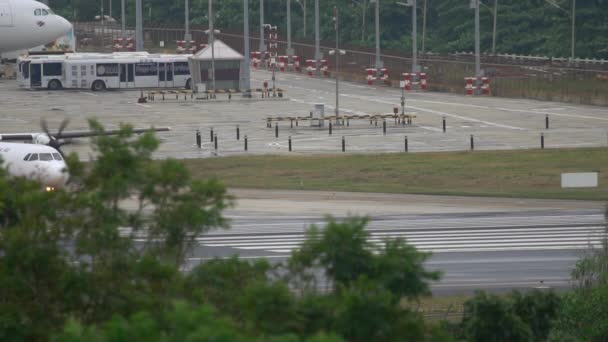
(45, 127)
(62, 126)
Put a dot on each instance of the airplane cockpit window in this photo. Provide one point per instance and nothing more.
(57, 156)
(34, 156)
(27, 156)
(46, 156)
(50, 11)
(38, 11)
(45, 12)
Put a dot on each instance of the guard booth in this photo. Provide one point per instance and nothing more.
(229, 67)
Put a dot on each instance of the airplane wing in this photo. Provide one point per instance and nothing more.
(74, 134)
(84, 134)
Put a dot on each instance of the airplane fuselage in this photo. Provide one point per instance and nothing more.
(37, 162)
(25, 24)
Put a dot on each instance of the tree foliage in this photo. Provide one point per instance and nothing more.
(523, 27)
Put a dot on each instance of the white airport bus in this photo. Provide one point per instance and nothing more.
(119, 70)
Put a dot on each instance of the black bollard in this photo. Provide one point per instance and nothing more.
(215, 142)
(290, 143)
(330, 130)
(547, 121)
(384, 127)
(198, 138)
(542, 141)
(211, 134)
(246, 143)
(238, 132)
(444, 124)
(406, 147)
(276, 130)
(472, 143)
(343, 144)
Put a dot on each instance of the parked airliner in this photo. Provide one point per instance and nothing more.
(26, 24)
(41, 159)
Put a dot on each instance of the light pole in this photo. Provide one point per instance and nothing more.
(494, 27)
(246, 85)
(423, 26)
(187, 36)
(379, 63)
(123, 18)
(289, 49)
(475, 5)
(139, 26)
(317, 39)
(337, 52)
(412, 3)
(211, 33)
(573, 17)
(303, 5)
(262, 45)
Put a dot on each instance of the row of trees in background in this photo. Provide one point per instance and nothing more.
(105, 262)
(532, 27)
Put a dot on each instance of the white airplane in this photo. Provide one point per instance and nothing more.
(41, 159)
(25, 24)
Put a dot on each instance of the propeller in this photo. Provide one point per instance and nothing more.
(55, 141)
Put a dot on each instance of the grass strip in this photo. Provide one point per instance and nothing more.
(512, 173)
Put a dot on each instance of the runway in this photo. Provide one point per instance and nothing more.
(493, 250)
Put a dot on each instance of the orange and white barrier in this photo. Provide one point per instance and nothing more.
(283, 62)
(123, 44)
(415, 81)
(371, 76)
(485, 86)
(325, 67)
(477, 86)
(422, 81)
(469, 85)
(310, 66)
(408, 81)
(256, 58)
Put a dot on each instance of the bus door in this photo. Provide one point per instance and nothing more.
(165, 75)
(127, 75)
(35, 75)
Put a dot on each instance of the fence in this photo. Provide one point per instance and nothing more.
(555, 79)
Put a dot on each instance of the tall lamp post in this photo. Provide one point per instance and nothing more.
(246, 71)
(379, 63)
(337, 52)
(412, 3)
(302, 4)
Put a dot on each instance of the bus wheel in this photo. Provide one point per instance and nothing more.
(54, 85)
(189, 84)
(98, 86)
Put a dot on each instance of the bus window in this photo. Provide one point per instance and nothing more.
(146, 69)
(181, 68)
(107, 69)
(51, 69)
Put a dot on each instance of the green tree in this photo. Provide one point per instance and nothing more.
(490, 318)
(68, 253)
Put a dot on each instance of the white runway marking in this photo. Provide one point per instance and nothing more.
(85, 93)
(143, 105)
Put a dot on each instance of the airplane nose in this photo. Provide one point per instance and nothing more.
(56, 176)
(65, 25)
